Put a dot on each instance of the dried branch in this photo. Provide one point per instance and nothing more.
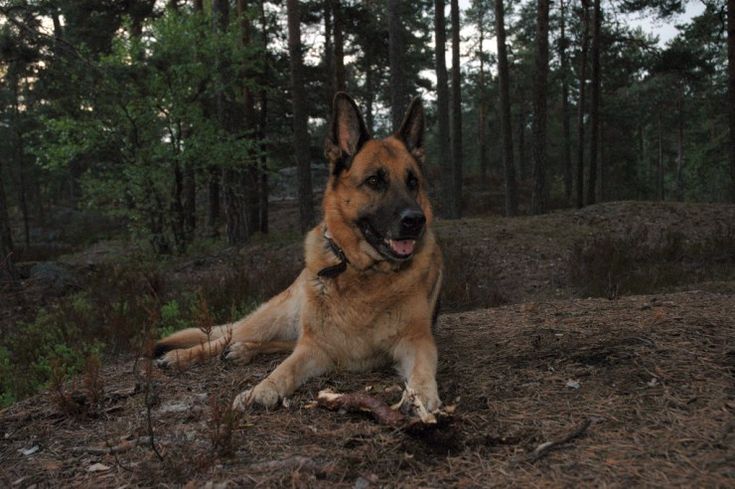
(543, 449)
(362, 402)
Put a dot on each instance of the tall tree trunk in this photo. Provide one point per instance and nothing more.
(660, 162)
(7, 270)
(369, 97)
(20, 158)
(300, 127)
(251, 178)
(329, 73)
(582, 102)
(442, 102)
(482, 109)
(595, 104)
(566, 131)
(456, 114)
(731, 88)
(680, 148)
(398, 98)
(538, 197)
(220, 19)
(522, 163)
(340, 79)
(263, 124)
(511, 190)
(198, 6)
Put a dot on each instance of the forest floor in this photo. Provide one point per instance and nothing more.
(642, 387)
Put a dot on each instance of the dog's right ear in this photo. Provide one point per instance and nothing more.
(346, 135)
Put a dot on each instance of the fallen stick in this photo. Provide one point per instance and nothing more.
(296, 462)
(124, 446)
(361, 401)
(543, 449)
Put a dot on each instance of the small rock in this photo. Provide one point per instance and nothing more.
(98, 467)
(30, 451)
(362, 483)
(572, 384)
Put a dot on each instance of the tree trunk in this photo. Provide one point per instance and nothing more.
(566, 131)
(680, 149)
(456, 114)
(595, 104)
(340, 79)
(660, 162)
(263, 124)
(329, 72)
(442, 106)
(398, 98)
(251, 177)
(731, 88)
(7, 270)
(20, 159)
(482, 109)
(582, 102)
(511, 191)
(522, 164)
(300, 127)
(538, 197)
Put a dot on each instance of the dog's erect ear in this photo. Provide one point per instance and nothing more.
(412, 129)
(347, 133)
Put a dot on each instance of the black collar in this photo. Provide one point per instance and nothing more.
(334, 270)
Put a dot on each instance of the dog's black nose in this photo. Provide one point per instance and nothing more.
(412, 220)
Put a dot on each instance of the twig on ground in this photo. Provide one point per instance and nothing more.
(543, 449)
(124, 446)
(296, 462)
(361, 401)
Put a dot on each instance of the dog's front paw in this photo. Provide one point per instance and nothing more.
(264, 394)
(238, 352)
(429, 397)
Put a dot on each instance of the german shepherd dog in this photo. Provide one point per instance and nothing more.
(368, 293)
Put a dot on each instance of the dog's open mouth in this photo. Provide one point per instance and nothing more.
(395, 249)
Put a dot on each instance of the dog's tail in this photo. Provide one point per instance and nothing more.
(187, 338)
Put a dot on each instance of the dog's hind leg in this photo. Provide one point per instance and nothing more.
(273, 327)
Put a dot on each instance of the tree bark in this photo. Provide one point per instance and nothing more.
(482, 109)
(340, 79)
(582, 102)
(329, 72)
(511, 190)
(731, 88)
(595, 104)
(680, 149)
(263, 124)
(566, 131)
(442, 102)
(522, 166)
(398, 97)
(7, 270)
(660, 162)
(538, 197)
(456, 114)
(300, 127)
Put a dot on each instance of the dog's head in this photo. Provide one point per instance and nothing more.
(376, 200)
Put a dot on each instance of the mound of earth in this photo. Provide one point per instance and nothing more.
(633, 392)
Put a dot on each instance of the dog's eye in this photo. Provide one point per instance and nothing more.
(412, 183)
(373, 181)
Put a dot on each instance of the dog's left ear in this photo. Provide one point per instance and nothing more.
(412, 129)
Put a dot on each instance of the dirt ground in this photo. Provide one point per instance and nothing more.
(650, 377)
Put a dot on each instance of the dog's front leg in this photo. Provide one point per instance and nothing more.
(417, 358)
(306, 361)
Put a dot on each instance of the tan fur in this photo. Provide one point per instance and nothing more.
(376, 311)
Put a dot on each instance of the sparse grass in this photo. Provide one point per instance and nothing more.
(120, 307)
(637, 263)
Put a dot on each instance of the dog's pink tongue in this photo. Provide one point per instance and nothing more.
(403, 247)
